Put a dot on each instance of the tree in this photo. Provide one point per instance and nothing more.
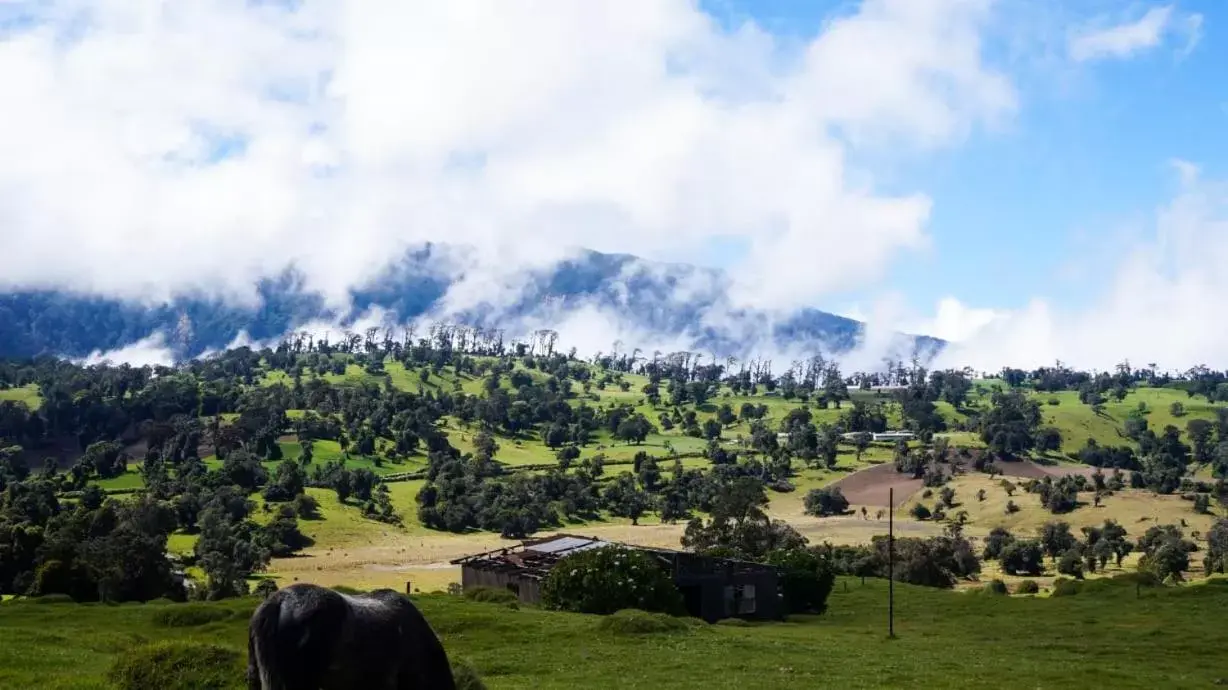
(649, 474)
(947, 496)
(556, 435)
(997, 541)
(1071, 563)
(1008, 427)
(861, 441)
(625, 499)
(739, 528)
(1048, 439)
(1056, 538)
(828, 447)
(634, 429)
(287, 483)
(1022, 558)
(1216, 560)
(1199, 431)
(826, 501)
(1170, 559)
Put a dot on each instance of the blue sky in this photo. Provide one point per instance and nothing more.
(1026, 210)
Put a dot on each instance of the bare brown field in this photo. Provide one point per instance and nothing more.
(1030, 469)
(870, 487)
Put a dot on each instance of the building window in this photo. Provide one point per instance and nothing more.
(739, 600)
(746, 598)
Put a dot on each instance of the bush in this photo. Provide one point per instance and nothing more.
(829, 500)
(806, 580)
(266, 587)
(1140, 577)
(53, 599)
(1027, 587)
(178, 666)
(1022, 557)
(996, 586)
(466, 677)
(1071, 563)
(920, 512)
(188, 615)
(1065, 587)
(733, 623)
(609, 579)
(306, 507)
(636, 622)
(491, 595)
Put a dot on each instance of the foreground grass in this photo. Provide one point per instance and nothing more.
(1093, 639)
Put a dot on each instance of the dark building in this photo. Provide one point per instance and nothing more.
(712, 588)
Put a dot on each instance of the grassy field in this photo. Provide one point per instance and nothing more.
(1106, 638)
(1078, 422)
(26, 394)
(1134, 509)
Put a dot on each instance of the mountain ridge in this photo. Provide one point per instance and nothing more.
(675, 300)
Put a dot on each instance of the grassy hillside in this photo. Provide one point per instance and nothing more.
(1079, 422)
(26, 394)
(354, 550)
(1106, 638)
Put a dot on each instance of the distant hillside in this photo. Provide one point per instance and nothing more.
(666, 299)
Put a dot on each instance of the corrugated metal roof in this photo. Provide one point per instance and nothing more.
(567, 544)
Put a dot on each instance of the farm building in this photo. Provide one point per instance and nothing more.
(894, 436)
(712, 588)
(879, 436)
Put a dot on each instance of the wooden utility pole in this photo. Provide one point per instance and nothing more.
(891, 562)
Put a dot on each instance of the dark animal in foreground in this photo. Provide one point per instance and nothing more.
(306, 637)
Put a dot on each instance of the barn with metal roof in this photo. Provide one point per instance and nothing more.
(711, 588)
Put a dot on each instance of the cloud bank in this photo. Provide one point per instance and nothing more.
(156, 148)
(1161, 304)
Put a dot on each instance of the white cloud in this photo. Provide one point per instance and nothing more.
(524, 129)
(1101, 40)
(151, 351)
(1162, 303)
(954, 321)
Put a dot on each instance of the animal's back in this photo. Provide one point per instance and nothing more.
(323, 639)
(295, 635)
(428, 665)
